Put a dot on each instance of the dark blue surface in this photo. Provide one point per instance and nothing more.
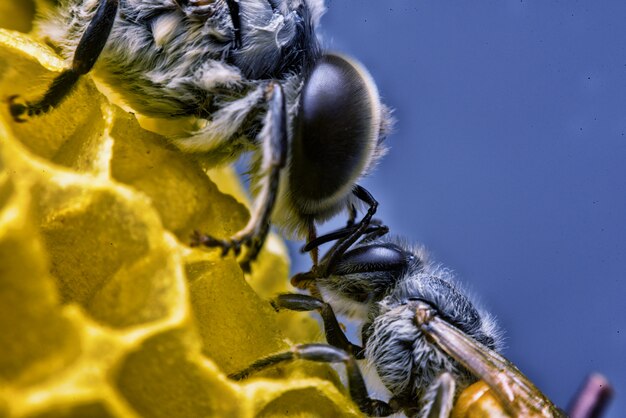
(509, 163)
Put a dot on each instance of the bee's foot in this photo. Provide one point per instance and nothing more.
(304, 281)
(246, 266)
(234, 244)
(18, 109)
(252, 241)
(275, 305)
(21, 110)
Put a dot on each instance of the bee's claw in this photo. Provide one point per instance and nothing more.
(199, 239)
(235, 244)
(17, 110)
(196, 239)
(245, 266)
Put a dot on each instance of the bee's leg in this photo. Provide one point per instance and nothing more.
(327, 354)
(352, 216)
(274, 138)
(307, 281)
(374, 230)
(87, 52)
(439, 397)
(233, 8)
(368, 229)
(337, 251)
(312, 236)
(332, 329)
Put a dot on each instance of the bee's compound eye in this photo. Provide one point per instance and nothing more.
(337, 131)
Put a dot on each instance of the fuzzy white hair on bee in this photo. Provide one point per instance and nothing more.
(422, 334)
(254, 73)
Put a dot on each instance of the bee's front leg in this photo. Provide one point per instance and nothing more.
(324, 353)
(87, 52)
(274, 139)
(375, 229)
(334, 334)
(356, 232)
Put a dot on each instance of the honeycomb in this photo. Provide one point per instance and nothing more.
(105, 311)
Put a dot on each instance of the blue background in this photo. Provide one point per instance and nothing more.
(508, 163)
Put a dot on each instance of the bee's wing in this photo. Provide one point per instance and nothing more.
(516, 393)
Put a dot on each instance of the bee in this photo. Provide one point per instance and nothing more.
(423, 336)
(254, 75)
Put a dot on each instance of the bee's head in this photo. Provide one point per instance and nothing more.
(337, 136)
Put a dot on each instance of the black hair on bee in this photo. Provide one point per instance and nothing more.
(254, 73)
(422, 334)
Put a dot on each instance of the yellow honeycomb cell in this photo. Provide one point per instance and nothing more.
(17, 15)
